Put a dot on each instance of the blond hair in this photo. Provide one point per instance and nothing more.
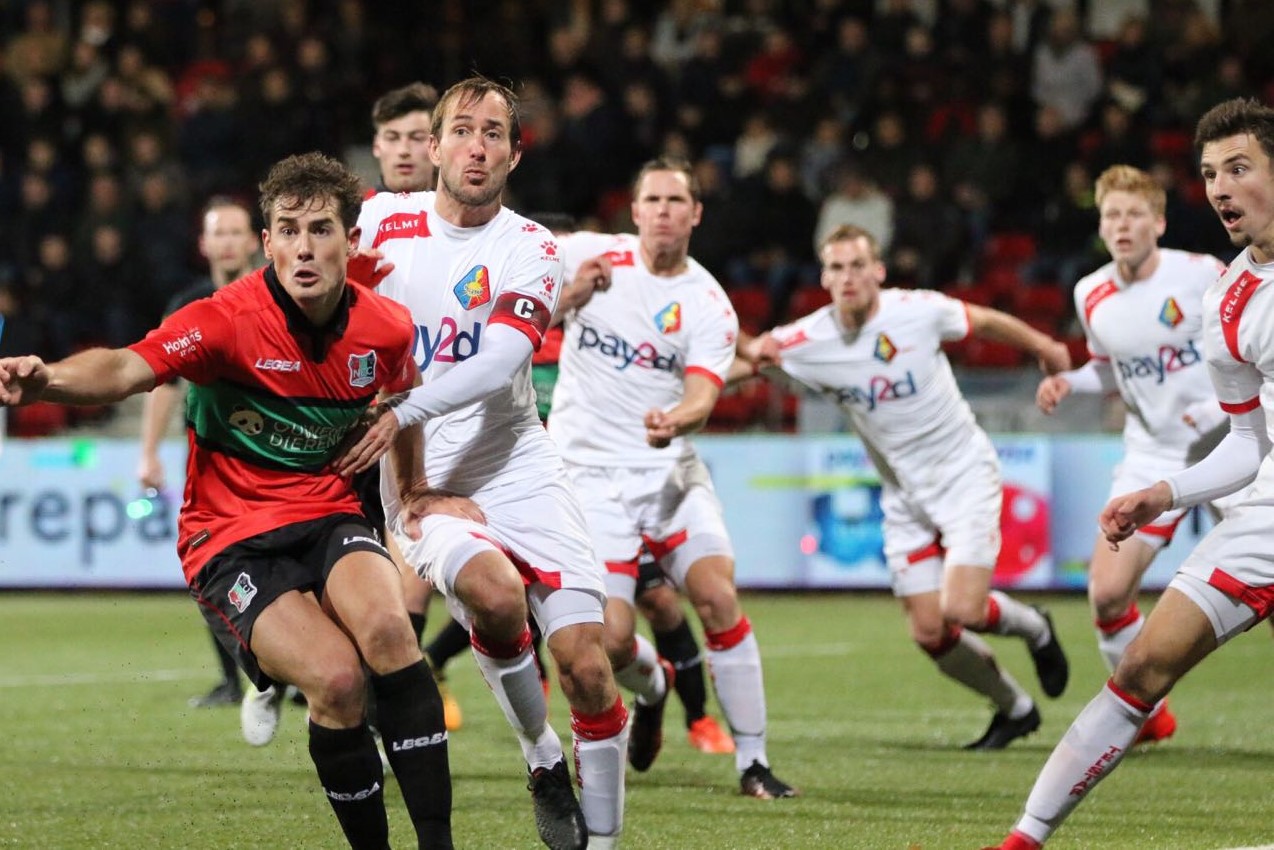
(1125, 178)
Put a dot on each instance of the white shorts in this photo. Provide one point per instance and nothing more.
(538, 525)
(1136, 472)
(672, 511)
(960, 514)
(1236, 556)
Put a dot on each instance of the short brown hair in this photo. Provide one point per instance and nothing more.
(1125, 178)
(300, 180)
(1236, 117)
(472, 90)
(413, 97)
(848, 233)
(670, 163)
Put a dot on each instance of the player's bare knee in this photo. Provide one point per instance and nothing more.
(930, 635)
(619, 647)
(337, 694)
(717, 606)
(964, 612)
(388, 643)
(1141, 674)
(586, 682)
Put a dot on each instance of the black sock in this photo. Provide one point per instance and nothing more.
(353, 780)
(452, 640)
(679, 647)
(415, 739)
(229, 669)
(417, 624)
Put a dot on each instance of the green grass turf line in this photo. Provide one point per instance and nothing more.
(100, 749)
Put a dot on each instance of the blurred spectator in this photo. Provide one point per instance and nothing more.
(148, 90)
(710, 92)
(1050, 149)
(928, 236)
(775, 219)
(37, 216)
(983, 173)
(21, 334)
(594, 128)
(81, 80)
(890, 153)
(718, 238)
(847, 75)
(104, 205)
(752, 147)
(859, 201)
(40, 49)
(819, 154)
(1134, 71)
(97, 26)
(279, 123)
(162, 233)
(1066, 73)
(52, 300)
(320, 94)
(116, 300)
(1120, 141)
(676, 31)
(210, 138)
(895, 20)
(1067, 248)
(1003, 73)
(960, 30)
(147, 155)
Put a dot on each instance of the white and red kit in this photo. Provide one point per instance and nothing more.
(939, 473)
(625, 352)
(463, 286)
(1145, 341)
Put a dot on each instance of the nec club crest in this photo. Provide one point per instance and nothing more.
(1171, 314)
(668, 320)
(241, 593)
(885, 349)
(474, 289)
(362, 369)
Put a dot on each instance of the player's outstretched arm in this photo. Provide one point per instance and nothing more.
(988, 323)
(687, 416)
(1123, 515)
(157, 412)
(593, 275)
(95, 376)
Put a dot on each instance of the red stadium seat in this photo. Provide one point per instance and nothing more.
(987, 354)
(1009, 248)
(1040, 301)
(41, 419)
(1170, 144)
(1002, 279)
(806, 300)
(752, 303)
(983, 296)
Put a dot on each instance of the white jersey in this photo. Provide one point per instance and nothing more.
(893, 380)
(1150, 334)
(629, 349)
(457, 281)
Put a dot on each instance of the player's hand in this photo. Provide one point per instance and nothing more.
(361, 267)
(1123, 515)
(150, 472)
(592, 276)
(1050, 393)
(1054, 358)
(660, 429)
(422, 501)
(370, 438)
(22, 380)
(763, 351)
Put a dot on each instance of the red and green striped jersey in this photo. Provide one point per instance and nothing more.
(271, 398)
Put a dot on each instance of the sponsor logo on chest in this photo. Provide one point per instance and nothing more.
(644, 355)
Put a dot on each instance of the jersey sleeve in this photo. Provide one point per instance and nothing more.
(1082, 312)
(712, 346)
(192, 343)
(582, 245)
(526, 297)
(402, 367)
(950, 316)
(1238, 332)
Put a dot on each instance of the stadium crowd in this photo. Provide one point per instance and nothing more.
(964, 134)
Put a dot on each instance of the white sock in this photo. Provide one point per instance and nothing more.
(601, 757)
(736, 677)
(972, 663)
(1019, 620)
(515, 682)
(643, 675)
(1094, 745)
(1112, 644)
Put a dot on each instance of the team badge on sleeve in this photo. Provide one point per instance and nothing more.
(474, 289)
(885, 349)
(1171, 314)
(362, 369)
(668, 320)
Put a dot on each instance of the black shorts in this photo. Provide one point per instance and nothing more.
(649, 575)
(241, 581)
(367, 488)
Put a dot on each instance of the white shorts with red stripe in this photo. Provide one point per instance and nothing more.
(541, 530)
(672, 511)
(953, 519)
(1236, 557)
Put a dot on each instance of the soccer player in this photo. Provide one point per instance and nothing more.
(481, 283)
(878, 353)
(229, 244)
(1225, 586)
(643, 361)
(286, 569)
(1142, 316)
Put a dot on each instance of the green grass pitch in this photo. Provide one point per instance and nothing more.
(101, 751)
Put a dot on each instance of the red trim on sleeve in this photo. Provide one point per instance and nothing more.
(1233, 303)
(1243, 406)
(707, 373)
